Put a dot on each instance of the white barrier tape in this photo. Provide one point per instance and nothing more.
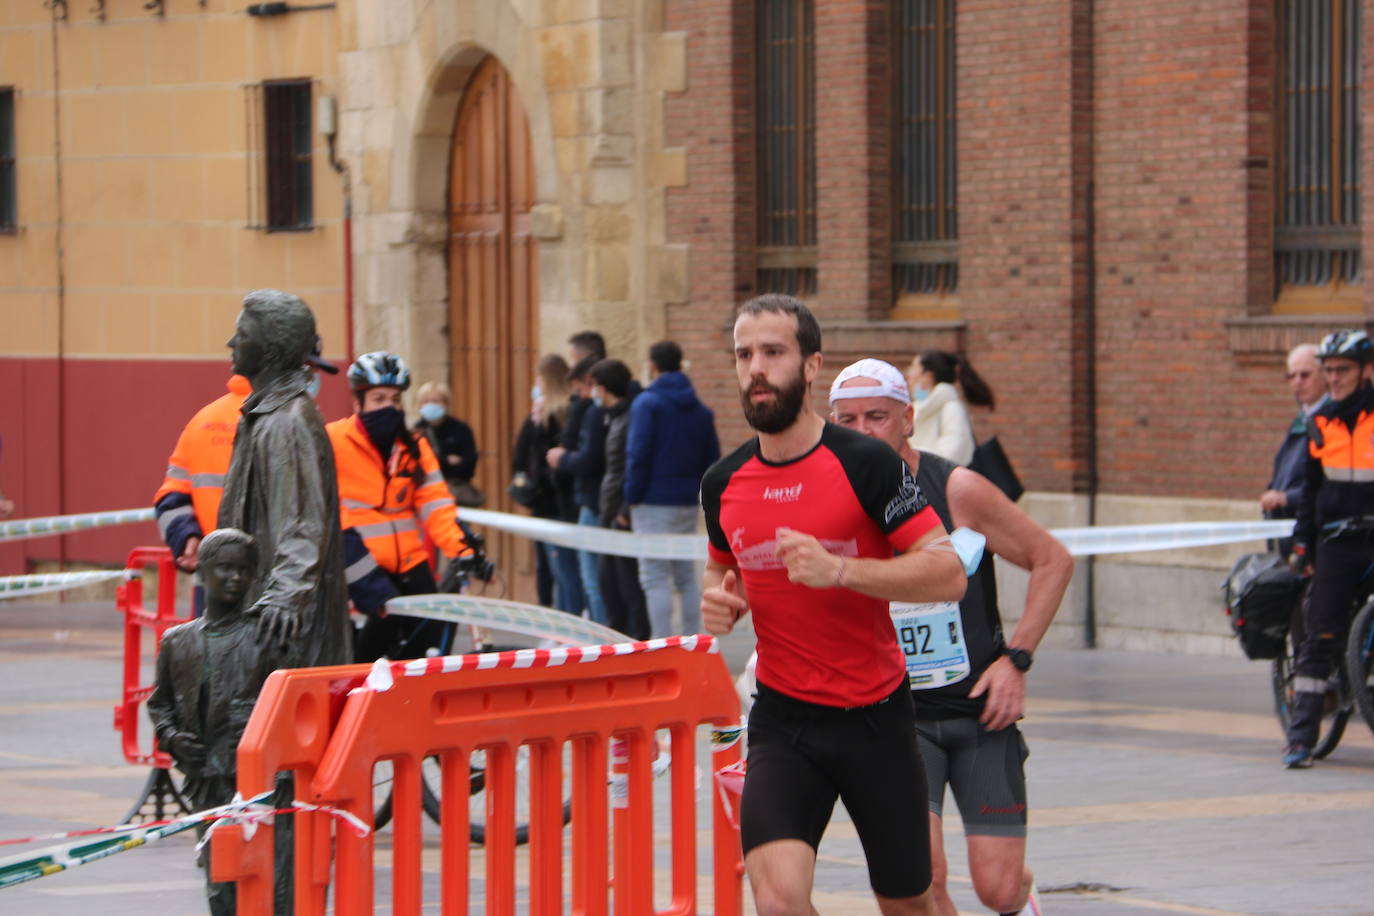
(26, 586)
(1080, 541)
(21, 528)
(1083, 542)
(597, 540)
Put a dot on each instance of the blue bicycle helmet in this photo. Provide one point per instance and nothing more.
(378, 369)
(1347, 344)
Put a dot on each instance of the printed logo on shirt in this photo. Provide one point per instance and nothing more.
(783, 494)
(907, 500)
(763, 556)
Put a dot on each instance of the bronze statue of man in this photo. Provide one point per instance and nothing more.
(281, 487)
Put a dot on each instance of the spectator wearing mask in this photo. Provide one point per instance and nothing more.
(453, 443)
(614, 388)
(532, 478)
(672, 441)
(586, 464)
(943, 385)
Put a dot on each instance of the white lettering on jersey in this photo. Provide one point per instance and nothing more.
(783, 494)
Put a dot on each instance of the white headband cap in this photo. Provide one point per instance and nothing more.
(891, 382)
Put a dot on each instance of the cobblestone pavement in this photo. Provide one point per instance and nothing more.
(1154, 784)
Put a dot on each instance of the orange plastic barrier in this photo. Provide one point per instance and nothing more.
(137, 618)
(581, 706)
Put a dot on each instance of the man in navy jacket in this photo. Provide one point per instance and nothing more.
(672, 442)
(1305, 381)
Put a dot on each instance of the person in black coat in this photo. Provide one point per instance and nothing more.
(453, 442)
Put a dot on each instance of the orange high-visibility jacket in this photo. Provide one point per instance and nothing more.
(385, 503)
(1346, 455)
(201, 457)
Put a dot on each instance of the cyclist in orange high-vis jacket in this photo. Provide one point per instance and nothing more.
(1338, 484)
(390, 485)
(187, 504)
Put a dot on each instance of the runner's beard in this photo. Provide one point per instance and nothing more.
(770, 417)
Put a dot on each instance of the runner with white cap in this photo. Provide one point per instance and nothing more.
(968, 681)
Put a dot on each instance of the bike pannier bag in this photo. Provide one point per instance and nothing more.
(1261, 593)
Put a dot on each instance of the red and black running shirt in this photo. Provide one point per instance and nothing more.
(831, 646)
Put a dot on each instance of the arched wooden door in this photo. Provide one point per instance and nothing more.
(493, 291)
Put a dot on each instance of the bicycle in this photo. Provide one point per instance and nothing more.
(1359, 662)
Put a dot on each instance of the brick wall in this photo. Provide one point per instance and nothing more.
(1115, 223)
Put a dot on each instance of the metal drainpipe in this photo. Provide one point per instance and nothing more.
(1090, 397)
(1090, 326)
(59, 13)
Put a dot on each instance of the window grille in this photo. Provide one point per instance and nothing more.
(925, 255)
(1317, 210)
(9, 208)
(786, 86)
(281, 155)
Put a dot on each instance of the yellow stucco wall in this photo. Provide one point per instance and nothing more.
(143, 152)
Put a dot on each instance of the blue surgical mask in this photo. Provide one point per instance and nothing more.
(920, 394)
(597, 399)
(536, 393)
(312, 387)
(432, 411)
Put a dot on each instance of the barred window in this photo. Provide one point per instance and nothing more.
(281, 190)
(786, 85)
(9, 207)
(925, 256)
(1317, 207)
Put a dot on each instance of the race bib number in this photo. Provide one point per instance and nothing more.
(932, 639)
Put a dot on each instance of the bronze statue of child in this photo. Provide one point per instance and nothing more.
(209, 674)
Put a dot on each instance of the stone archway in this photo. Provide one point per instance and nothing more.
(493, 285)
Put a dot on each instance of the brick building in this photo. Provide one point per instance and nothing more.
(1123, 213)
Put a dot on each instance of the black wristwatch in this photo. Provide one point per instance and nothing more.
(1020, 658)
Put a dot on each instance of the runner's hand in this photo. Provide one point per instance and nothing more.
(807, 562)
(1006, 690)
(722, 605)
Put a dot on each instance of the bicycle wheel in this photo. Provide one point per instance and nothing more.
(1359, 662)
(429, 790)
(477, 829)
(1338, 702)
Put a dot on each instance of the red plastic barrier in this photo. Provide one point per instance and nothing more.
(582, 705)
(137, 618)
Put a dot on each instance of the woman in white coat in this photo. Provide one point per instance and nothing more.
(943, 383)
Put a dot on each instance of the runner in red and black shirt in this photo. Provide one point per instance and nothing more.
(804, 522)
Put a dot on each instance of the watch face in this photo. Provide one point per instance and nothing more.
(1020, 658)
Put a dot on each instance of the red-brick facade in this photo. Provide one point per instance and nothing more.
(1115, 225)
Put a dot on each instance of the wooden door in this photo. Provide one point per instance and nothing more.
(493, 292)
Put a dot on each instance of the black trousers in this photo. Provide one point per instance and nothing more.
(1338, 578)
(626, 610)
(396, 636)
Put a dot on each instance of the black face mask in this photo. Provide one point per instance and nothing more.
(383, 425)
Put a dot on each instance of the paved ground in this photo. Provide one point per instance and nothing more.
(1155, 788)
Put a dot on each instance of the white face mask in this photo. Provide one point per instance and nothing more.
(312, 387)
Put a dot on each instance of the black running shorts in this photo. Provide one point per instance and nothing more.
(983, 768)
(803, 756)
